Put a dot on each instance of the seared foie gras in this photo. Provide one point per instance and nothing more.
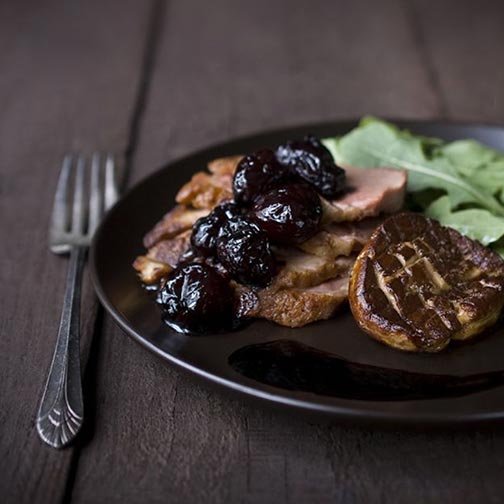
(416, 285)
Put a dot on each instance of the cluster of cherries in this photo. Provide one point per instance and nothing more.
(276, 201)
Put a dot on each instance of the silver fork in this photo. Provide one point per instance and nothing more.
(61, 411)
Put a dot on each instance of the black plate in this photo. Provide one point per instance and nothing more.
(329, 367)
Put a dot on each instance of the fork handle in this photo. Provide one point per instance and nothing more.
(61, 411)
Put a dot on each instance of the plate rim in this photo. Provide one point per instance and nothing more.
(337, 412)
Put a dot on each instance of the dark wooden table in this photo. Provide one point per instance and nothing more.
(151, 81)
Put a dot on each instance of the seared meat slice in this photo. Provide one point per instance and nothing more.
(206, 190)
(306, 270)
(162, 258)
(296, 307)
(149, 270)
(342, 238)
(305, 290)
(416, 285)
(177, 220)
(371, 192)
(169, 251)
(225, 165)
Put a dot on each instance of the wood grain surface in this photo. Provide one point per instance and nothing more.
(156, 80)
(65, 86)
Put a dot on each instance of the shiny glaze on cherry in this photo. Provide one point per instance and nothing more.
(313, 162)
(244, 251)
(257, 173)
(196, 298)
(289, 215)
(207, 229)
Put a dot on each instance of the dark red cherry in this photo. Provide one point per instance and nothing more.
(288, 215)
(207, 229)
(256, 174)
(313, 162)
(196, 298)
(244, 251)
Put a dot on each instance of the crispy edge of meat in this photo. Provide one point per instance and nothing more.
(225, 165)
(161, 258)
(299, 307)
(342, 238)
(149, 270)
(176, 221)
(295, 274)
(169, 251)
(205, 190)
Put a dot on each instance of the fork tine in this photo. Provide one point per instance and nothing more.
(111, 192)
(95, 198)
(78, 214)
(59, 219)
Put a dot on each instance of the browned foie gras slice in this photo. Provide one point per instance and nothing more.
(416, 285)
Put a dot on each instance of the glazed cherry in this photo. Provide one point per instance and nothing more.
(206, 230)
(196, 298)
(288, 215)
(244, 251)
(228, 210)
(311, 160)
(256, 174)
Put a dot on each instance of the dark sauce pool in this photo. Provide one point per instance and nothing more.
(295, 366)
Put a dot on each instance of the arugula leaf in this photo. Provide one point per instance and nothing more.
(477, 223)
(482, 166)
(377, 143)
(461, 183)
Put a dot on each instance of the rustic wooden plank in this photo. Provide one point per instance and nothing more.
(220, 72)
(69, 80)
(238, 68)
(463, 46)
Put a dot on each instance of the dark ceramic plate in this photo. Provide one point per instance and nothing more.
(329, 367)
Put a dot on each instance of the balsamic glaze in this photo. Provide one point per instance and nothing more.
(295, 366)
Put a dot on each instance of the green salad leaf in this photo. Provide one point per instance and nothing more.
(477, 223)
(461, 183)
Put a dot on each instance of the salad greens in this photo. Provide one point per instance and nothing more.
(460, 184)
